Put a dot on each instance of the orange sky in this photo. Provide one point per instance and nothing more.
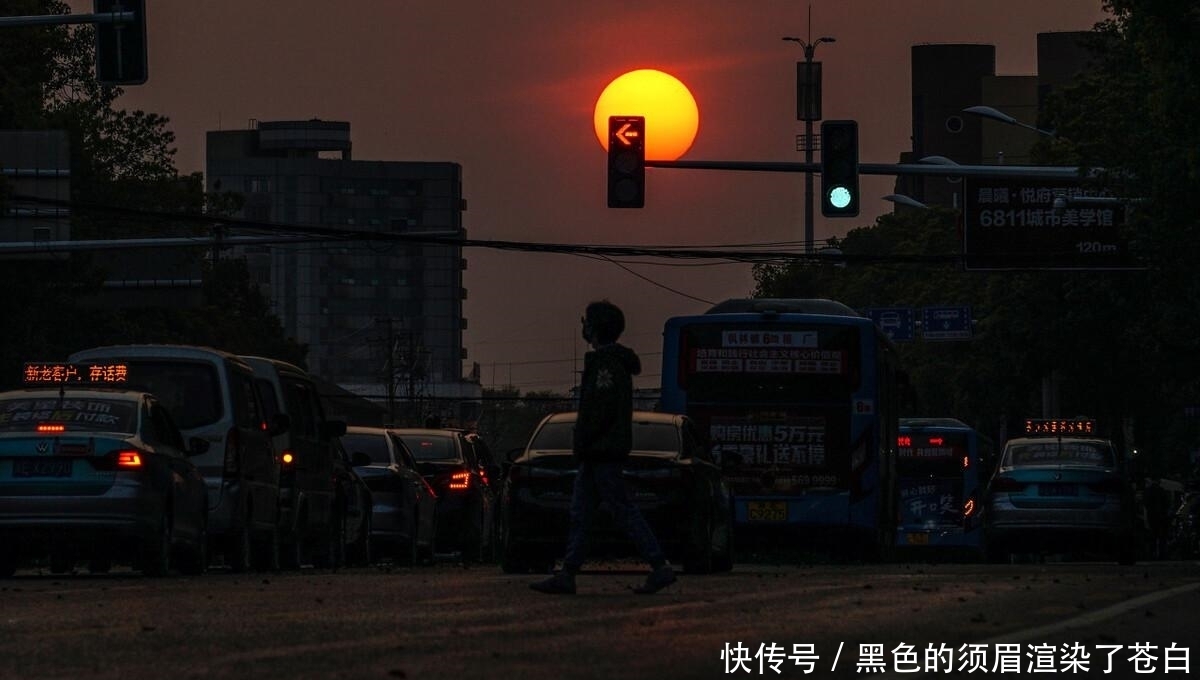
(507, 89)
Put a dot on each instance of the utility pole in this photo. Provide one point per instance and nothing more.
(808, 109)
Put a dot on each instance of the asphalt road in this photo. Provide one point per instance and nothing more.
(451, 621)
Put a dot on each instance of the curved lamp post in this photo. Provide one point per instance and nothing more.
(994, 114)
(810, 47)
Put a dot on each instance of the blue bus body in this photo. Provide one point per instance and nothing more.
(799, 400)
(941, 474)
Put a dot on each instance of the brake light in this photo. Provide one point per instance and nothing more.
(1006, 484)
(460, 481)
(51, 428)
(129, 459)
(232, 454)
(966, 462)
(969, 507)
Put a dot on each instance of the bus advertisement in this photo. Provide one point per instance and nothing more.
(940, 465)
(799, 401)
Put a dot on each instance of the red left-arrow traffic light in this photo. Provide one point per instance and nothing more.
(626, 161)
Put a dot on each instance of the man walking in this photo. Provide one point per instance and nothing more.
(603, 439)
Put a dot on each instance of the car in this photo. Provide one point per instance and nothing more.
(310, 511)
(404, 512)
(460, 468)
(671, 475)
(1060, 493)
(212, 395)
(354, 498)
(98, 474)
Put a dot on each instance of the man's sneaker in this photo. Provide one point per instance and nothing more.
(657, 580)
(561, 583)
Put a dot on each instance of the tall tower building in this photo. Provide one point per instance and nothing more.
(380, 318)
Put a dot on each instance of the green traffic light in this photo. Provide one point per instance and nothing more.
(839, 197)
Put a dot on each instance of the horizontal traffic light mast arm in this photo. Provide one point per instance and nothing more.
(1017, 171)
(59, 19)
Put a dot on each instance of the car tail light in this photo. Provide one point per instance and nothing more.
(969, 507)
(129, 459)
(51, 428)
(460, 481)
(966, 461)
(287, 458)
(1006, 485)
(232, 454)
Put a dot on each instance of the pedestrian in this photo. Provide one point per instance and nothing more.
(603, 439)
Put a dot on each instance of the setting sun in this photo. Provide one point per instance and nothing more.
(670, 110)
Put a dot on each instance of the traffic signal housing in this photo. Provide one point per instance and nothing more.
(121, 47)
(626, 161)
(839, 168)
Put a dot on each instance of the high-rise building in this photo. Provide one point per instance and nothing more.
(947, 78)
(380, 318)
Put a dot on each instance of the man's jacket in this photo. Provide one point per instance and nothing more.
(604, 427)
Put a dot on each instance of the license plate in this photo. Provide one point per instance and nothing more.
(766, 511)
(1058, 490)
(919, 538)
(42, 467)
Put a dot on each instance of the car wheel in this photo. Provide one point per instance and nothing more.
(266, 550)
(723, 557)
(99, 565)
(408, 553)
(8, 562)
(359, 552)
(428, 553)
(61, 563)
(292, 551)
(155, 558)
(329, 551)
(241, 547)
(195, 558)
(699, 556)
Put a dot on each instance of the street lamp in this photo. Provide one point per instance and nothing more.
(901, 199)
(989, 112)
(809, 113)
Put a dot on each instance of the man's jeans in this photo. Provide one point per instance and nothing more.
(596, 482)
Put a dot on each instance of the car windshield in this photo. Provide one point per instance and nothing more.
(1056, 452)
(374, 445)
(77, 414)
(559, 436)
(435, 447)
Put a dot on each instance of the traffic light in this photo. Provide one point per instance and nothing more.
(839, 168)
(626, 161)
(121, 47)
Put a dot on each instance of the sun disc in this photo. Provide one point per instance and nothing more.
(672, 117)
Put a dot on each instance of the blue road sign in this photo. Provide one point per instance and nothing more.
(946, 323)
(896, 322)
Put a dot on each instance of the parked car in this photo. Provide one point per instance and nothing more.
(307, 449)
(460, 468)
(101, 475)
(1060, 494)
(352, 495)
(404, 512)
(671, 477)
(212, 395)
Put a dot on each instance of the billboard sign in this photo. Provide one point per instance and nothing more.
(1011, 223)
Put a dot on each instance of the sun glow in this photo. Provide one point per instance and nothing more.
(672, 117)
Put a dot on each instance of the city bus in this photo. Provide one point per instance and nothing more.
(800, 402)
(941, 465)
